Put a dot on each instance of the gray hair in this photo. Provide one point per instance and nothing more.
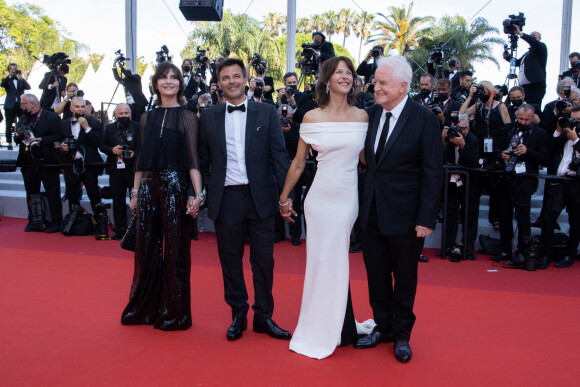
(401, 69)
(463, 117)
(205, 97)
(120, 104)
(31, 98)
(526, 108)
(78, 98)
(564, 82)
(574, 90)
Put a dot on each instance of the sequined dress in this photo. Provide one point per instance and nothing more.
(160, 291)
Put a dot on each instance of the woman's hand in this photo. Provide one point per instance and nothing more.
(193, 205)
(133, 203)
(287, 211)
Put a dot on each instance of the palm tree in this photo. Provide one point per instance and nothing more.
(362, 26)
(274, 24)
(330, 26)
(400, 30)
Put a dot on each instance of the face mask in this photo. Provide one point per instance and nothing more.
(295, 87)
(523, 127)
(517, 102)
(484, 98)
(443, 97)
(496, 97)
(258, 92)
(425, 93)
(124, 121)
(186, 69)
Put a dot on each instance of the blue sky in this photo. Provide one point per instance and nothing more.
(100, 24)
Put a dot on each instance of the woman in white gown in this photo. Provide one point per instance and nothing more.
(337, 131)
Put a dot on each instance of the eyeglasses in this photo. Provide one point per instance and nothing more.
(463, 127)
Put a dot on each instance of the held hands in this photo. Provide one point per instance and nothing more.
(287, 211)
(193, 205)
(422, 232)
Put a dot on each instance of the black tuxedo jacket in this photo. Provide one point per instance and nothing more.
(535, 60)
(111, 140)
(48, 128)
(90, 141)
(191, 88)
(266, 157)
(406, 182)
(556, 145)
(13, 93)
(366, 70)
(48, 95)
(468, 156)
(132, 84)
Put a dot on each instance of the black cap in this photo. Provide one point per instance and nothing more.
(379, 47)
(319, 33)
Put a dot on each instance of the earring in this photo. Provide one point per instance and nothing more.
(351, 92)
(327, 89)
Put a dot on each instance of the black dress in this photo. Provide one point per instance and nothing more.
(165, 152)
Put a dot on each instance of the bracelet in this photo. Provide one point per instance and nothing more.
(200, 196)
(285, 204)
(134, 192)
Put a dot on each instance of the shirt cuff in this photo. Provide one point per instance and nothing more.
(49, 87)
(88, 129)
(574, 143)
(556, 134)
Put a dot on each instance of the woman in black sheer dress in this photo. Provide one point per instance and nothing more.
(166, 163)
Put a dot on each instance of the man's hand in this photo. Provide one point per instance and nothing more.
(505, 155)
(520, 150)
(286, 128)
(369, 55)
(572, 135)
(441, 116)
(459, 141)
(54, 84)
(117, 150)
(422, 232)
(518, 31)
(83, 123)
(193, 205)
(444, 133)
(63, 147)
(472, 90)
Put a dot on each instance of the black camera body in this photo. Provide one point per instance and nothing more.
(513, 160)
(284, 120)
(25, 135)
(479, 92)
(453, 130)
(513, 21)
(436, 104)
(121, 58)
(289, 91)
(162, 55)
(102, 219)
(438, 53)
(55, 60)
(259, 64)
(567, 101)
(73, 144)
(376, 53)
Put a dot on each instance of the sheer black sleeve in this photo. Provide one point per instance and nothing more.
(191, 131)
(139, 135)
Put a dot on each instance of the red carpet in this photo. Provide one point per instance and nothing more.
(61, 300)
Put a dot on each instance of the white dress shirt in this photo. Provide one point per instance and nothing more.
(567, 156)
(235, 126)
(396, 113)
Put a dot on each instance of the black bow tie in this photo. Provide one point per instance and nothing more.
(232, 108)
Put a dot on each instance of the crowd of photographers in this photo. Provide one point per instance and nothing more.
(496, 139)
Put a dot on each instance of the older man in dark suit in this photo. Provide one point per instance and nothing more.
(243, 145)
(14, 85)
(399, 202)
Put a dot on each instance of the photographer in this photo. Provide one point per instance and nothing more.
(260, 66)
(574, 71)
(189, 79)
(532, 75)
(461, 92)
(563, 193)
(461, 149)
(119, 146)
(132, 86)
(447, 105)
(72, 90)
(82, 138)
(14, 85)
(366, 69)
(300, 102)
(256, 91)
(323, 50)
(523, 147)
(363, 100)
(291, 131)
(203, 102)
(426, 86)
(53, 85)
(516, 98)
(35, 151)
(452, 73)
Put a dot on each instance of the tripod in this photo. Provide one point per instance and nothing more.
(512, 76)
(306, 76)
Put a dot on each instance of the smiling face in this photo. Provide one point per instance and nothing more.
(232, 82)
(341, 80)
(168, 84)
(389, 91)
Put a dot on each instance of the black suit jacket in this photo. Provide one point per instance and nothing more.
(191, 87)
(535, 60)
(468, 156)
(366, 70)
(326, 51)
(266, 157)
(111, 139)
(48, 95)
(13, 93)
(132, 84)
(406, 182)
(90, 141)
(48, 128)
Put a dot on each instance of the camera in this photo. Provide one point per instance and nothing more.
(566, 102)
(437, 53)
(376, 53)
(371, 88)
(121, 58)
(509, 25)
(72, 143)
(79, 93)
(511, 164)
(285, 121)
(18, 71)
(202, 106)
(162, 55)
(24, 135)
(436, 106)
(479, 92)
(259, 64)
(201, 59)
(289, 91)
(453, 130)
(308, 64)
(55, 60)
(102, 232)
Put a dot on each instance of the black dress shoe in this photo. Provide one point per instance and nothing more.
(355, 247)
(543, 262)
(423, 258)
(28, 227)
(239, 325)
(278, 238)
(374, 338)
(54, 228)
(565, 262)
(269, 326)
(517, 260)
(296, 242)
(403, 351)
(501, 257)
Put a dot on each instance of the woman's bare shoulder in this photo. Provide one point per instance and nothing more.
(313, 116)
(360, 115)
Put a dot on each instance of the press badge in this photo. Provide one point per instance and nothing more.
(521, 168)
(488, 145)
(120, 164)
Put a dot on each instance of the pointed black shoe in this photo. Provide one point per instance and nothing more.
(374, 338)
(239, 325)
(516, 261)
(543, 263)
(269, 326)
(565, 262)
(501, 257)
(403, 351)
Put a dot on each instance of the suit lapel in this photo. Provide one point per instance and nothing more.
(250, 124)
(401, 121)
(374, 127)
(220, 125)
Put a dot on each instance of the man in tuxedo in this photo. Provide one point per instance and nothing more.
(86, 134)
(14, 85)
(189, 79)
(426, 86)
(32, 158)
(367, 69)
(532, 75)
(133, 89)
(449, 105)
(301, 103)
(53, 87)
(243, 145)
(399, 202)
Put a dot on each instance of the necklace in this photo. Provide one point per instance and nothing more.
(162, 123)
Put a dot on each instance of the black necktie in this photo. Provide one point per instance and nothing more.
(383, 138)
(232, 108)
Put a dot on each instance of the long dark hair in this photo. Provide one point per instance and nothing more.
(162, 70)
(327, 69)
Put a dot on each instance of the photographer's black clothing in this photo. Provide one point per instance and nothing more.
(269, 81)
(448, 107)
(67, 113)
(366, 70)
(133, 92)
(14, 87)
(326, 52)
(191, 85)
(453, 76)
(516, 191)
(51, 96)
(363, 100)
(487, 123)
(534, 69)
(512, 112)
(44, 125)
(304, 103)
(120, 174)
(80, 169)
(459, 94)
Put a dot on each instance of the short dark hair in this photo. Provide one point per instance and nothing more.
(427, 75)
(574, 54)
(327, 69)
(576, 108)
(379, 47)
(187, 60)
(517, 88)
(64, 68)
(465, 73)
(232, 62)
(162, 70)
(11, 64)
(444, 81)
(526, 108)
(288, 75)
(319, 34)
